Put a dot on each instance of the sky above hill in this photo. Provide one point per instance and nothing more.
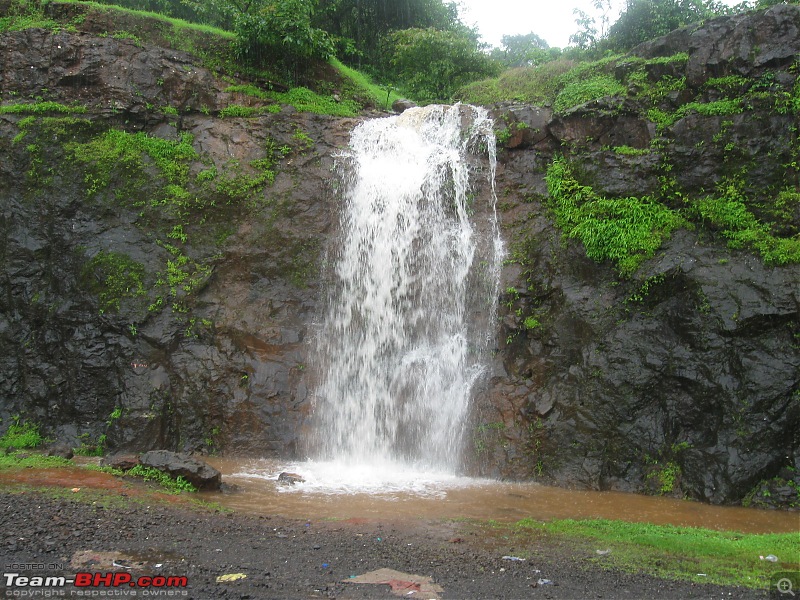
(552, 20)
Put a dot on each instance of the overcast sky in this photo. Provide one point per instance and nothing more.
(552, 20)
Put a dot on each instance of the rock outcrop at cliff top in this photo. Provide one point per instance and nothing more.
(162, 271)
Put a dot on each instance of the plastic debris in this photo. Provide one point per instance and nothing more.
(544, 582)
(230, 577)
(769, 557)
(75, 490)
(603, 552)
(515, 558)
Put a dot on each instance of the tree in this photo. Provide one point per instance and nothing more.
(279, 31)
(360, 26)
(590, 32)
(644, 20)
(522, 51)
(431, 65)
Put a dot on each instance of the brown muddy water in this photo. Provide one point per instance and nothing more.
(336, 492)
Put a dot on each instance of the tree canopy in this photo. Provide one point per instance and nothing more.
(522, 51)
(432, 64)
(643, 20)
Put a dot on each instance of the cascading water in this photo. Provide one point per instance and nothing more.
(402, 343)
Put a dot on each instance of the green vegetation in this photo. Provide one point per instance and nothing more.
(89, 447)
(628, 151)
(114, 276)
(421, 46)
(687, 553)
(173, 485)
(23, 460)
(531, 322)
(537, 85)
(626, 231)
(277, 31)
(305, 100)
(759, 496)
(361, 86)
(24, 14)
(116, 151)
(20, 435)
(594, 88)
(728, 213)
(665, 477)
(432, 65)
(40, 108)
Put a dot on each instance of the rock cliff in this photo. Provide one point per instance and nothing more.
(683, 378)
(162, 262)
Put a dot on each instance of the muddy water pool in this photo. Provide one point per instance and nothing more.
(387, 492)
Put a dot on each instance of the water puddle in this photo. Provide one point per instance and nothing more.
(330, 491)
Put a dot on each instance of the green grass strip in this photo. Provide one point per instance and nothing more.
(684, 553)
(39, 108)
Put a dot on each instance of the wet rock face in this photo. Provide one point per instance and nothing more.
(741, 44)
(133, 317)
(685, 378)
(691, 389)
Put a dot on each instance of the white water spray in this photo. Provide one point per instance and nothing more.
(413, 293)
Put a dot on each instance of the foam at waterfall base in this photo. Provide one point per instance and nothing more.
(385, 479)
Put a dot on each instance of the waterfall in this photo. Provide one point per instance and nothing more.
(413, 289)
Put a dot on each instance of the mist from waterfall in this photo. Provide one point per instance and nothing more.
(412, 295)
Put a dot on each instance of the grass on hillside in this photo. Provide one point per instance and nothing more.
(380, 96)
(179, 24)
(357, 89)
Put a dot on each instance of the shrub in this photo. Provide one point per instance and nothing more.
(21, 435)
(580, 92)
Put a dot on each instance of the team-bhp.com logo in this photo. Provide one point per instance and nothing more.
(93, 585)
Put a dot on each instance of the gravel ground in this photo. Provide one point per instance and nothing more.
(289, 559)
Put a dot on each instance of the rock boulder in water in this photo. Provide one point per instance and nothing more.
(290, 478)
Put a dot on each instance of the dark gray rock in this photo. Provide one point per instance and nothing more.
(122, 461)
(60, 449)
(290, 478)
(401, 105)
(200, 474)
